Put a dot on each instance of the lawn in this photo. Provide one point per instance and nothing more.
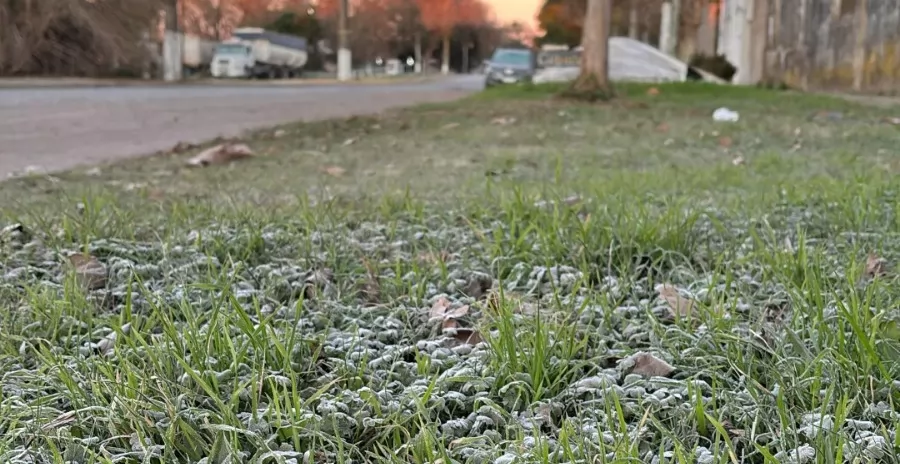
(506, 279)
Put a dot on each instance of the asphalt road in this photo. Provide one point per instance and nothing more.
(54, 129)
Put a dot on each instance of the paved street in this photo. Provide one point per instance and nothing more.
(60, 128)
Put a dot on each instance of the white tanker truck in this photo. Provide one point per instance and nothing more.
(255, 52)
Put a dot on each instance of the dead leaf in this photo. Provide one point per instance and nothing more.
(503, 121)
(449, 126)
(725, 142)
(371, 289)
(653, 91)
(738, 161)
(895, 121)
(279, 133)
(349, 142)
(89, 271)
(876, 266)
(449, 324)
(468, 336)
(478, 286)
(182, 147)
(317, 281)
(334, 171)
(439, 308)
(107, 346)
(221, 154)
(456, 313)
(647, 365)
(662, 127)
(678, 305)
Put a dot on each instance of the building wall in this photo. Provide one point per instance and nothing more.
(843, 45)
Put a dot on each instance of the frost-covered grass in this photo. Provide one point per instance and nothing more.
(479, 282)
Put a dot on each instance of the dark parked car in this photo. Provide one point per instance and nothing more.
(510, 66)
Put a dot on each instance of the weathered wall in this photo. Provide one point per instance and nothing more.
(844, 45)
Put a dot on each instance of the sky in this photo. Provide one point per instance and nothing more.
(516, 10)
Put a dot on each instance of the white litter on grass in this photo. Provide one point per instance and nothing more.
(629, 60)
(726, 115)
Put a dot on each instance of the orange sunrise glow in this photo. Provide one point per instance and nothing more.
(516, 10)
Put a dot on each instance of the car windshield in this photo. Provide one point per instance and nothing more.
(231, 49)
(512, 58)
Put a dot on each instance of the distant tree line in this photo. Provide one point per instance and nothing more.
(122, 37)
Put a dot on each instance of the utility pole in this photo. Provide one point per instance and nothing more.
(344, 58)
(171, 49)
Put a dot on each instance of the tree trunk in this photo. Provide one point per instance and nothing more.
(418, 67)
(593, 81)
(445, 60)
(633, 20)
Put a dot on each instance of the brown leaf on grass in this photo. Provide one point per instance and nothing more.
(334, 171)
(468, 336)
(652, 91)
(647, 365)
(678, 305)
(89, 271)
(182, 147)
(349, 142)
(662, 127)
(478, 286)
(876, 266)
(371, 288)
(441, 309)
(107, 346)
(503, 121)
(316, 281)
(725, 142)
(221, 154)
(731, 430)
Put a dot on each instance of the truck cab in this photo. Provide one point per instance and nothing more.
(232, 59)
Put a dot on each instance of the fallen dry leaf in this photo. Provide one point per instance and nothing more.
(349, 142)
(221, 154)
(439, 308)
(876, 266)
(468, 336)
(316, 281)
(334, 171)
(503, 121)
(279, 133)
(647, 365)
(678, 305)
(182, 147)
(662, 127)
(449, 126)
(478, 286)
(653, 91)
(725, 142)
(89, 271)
(107, 346)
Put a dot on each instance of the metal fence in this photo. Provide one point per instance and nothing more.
(844, 45)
